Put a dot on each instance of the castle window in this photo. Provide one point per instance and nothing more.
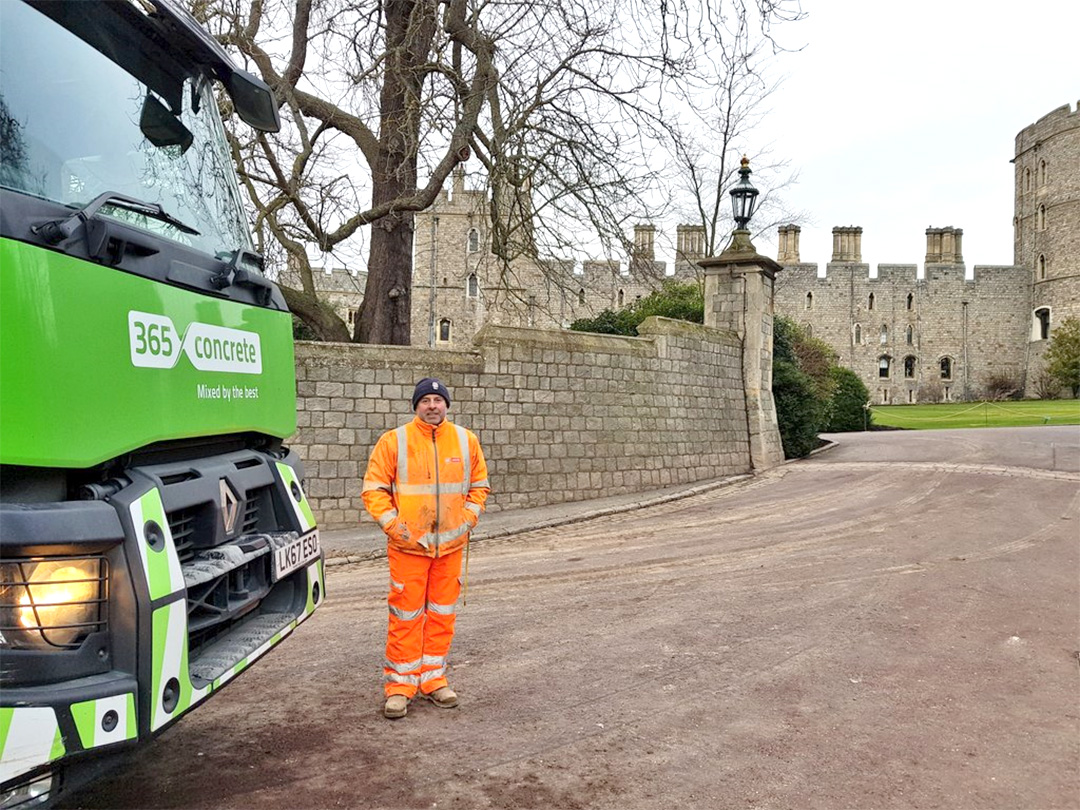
(444, 330)
(1042, 267)
(946, 368)
(911, 396)
(1040, 218)
(909, 335)
(581, 296)
(858, 335)
(1027, 179)
(1042, 172)
(621, 296)
(884, 334)
(474, 240)
(472, 287)
(948, 394)
(809, 329)
(1041, 329)
(353, 312)
(883, 365)
(910, 301)
(870, 301)
(909, 367)
(884, 396)
(809, 300)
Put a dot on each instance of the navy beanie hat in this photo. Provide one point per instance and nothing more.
(429, 385)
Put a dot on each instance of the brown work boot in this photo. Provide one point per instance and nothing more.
(444, 697)
(396, 706)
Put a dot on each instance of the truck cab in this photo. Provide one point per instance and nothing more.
(155, 539)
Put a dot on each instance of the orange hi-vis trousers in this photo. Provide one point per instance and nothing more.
(423, 604)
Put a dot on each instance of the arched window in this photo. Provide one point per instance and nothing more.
(909, 367)
(444, 330)
(581, 296)
(809, 300)
(884, 334)
(910, 301)
(909, 335)
(858, 335)
(870, 301)
(1042, 267)
(946, 368)
(474, 240)
(472, 287)
(1040, 218)
(621, 297)
(809, 329)
(1041, 326)
(1042, 172)
(883, 365)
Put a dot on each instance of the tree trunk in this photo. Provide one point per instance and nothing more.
(317, 315)
(385, 314)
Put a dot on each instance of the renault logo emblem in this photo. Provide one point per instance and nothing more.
(230, 506)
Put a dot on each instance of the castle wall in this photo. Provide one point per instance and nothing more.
(980, 325)
(530, 292)
(1046, 224)
(562, 416)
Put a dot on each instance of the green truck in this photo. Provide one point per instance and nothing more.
(155, 539)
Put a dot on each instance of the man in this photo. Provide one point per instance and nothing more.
(426, 484)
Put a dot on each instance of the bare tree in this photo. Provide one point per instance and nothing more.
(562, 103)
(707, 147)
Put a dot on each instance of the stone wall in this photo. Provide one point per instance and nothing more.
(562, 416)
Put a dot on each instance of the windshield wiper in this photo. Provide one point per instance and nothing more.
(56, 231)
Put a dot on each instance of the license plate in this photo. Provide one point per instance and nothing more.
(301, 551)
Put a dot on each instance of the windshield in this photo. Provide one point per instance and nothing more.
(73, 125)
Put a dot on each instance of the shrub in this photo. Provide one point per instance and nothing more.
(1063, 355)
(683, 301)
(1002, 385)
(798, 411)
(850, 400)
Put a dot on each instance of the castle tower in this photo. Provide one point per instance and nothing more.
(847, 244)
(943, 245)
(788, 248)
(689, 243)
(1046, 225)
(644, 239)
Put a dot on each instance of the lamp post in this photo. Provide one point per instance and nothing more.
(743, 201)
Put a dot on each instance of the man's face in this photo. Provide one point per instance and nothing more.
(432, 409)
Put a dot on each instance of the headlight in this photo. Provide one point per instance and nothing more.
(51, 603)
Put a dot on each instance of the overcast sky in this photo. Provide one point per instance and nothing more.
(901, 116)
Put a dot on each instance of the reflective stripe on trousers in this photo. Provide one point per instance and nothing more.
(422, 607)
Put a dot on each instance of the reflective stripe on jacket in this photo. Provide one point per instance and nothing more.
(426, 486)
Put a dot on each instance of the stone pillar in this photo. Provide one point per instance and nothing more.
(788, 248)
(739, 298)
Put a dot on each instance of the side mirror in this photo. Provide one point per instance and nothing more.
(254, 100)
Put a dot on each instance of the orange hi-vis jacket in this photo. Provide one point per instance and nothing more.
(426, 486)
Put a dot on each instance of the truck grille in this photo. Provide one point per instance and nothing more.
(182, 527)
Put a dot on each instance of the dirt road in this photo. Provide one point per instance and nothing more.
(891, 624)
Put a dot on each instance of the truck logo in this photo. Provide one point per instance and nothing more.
(230, 506)
(155, 343)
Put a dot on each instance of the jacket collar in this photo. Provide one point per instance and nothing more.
(424, 427)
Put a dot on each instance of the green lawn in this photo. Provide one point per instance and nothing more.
(978, 414)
